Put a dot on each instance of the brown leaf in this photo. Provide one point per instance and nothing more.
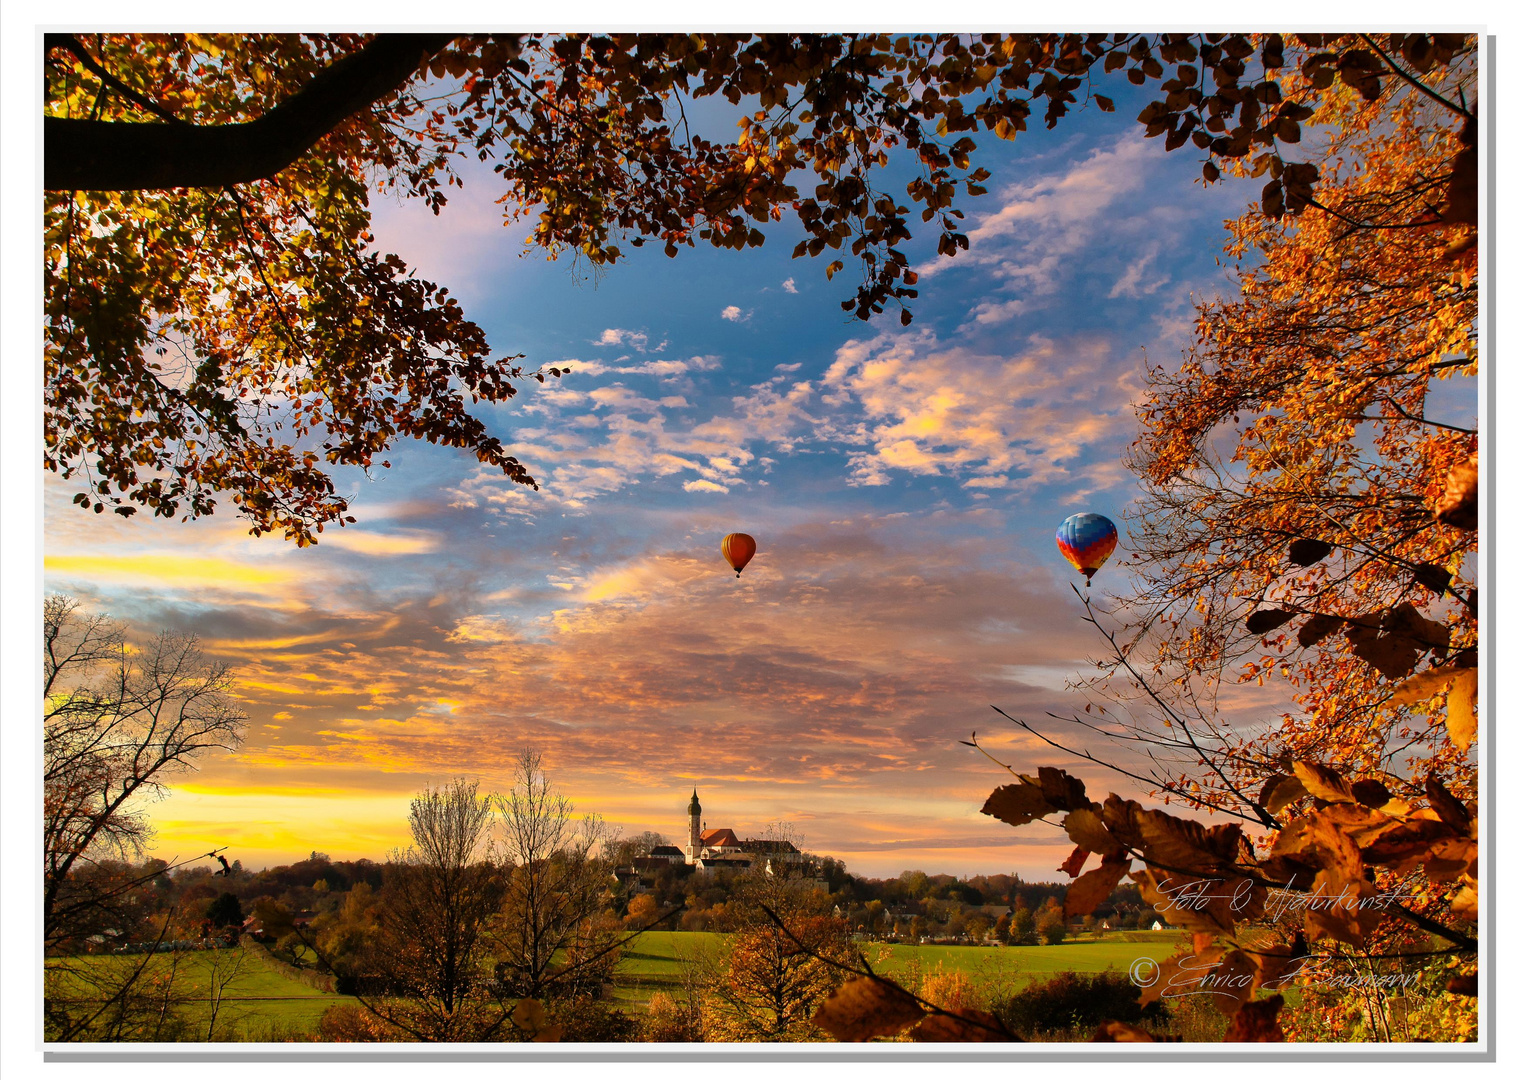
(1257, 1021)
(1179, 974)
(1403, 844)
(1341, 907)
(864, 1008)
(1315, 841)
(1308, 552)
(1317, 627)
(1392, 655)
(1017, 804)
(1233, 980)
(1279, 791)
(1466, 903)
(1448, 858)
(1458, 506)
(1288, 871)
(1469, 985)
(1119, 818)
(1449, 809)
(1423, 685)
(1085, 827)
(1433, 577)
(1461, 709)
(966, 1025)
(1075, 861)
(1324, 782)
(1191, 903)
(1404, 619)
(529, 1015)
(1119, 1031)
(1261, 622)
(1371, 793)
(1185, 844)
(1463, 189)
(1093, 888)
(1062, 791)
(1276, 965)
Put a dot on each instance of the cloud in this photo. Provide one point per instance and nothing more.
(1086, 217)
(636, 339)
(789, 285)
(1131, 283)
(382, 544)
(733, 313)
(914, 404)
(176, 570)
(703, 485)
(844, 665)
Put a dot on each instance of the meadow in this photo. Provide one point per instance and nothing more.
(657, 959)
(261, 1003)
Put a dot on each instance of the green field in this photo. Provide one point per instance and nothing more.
(657, 960)
(258, 1003)
(261, 1003)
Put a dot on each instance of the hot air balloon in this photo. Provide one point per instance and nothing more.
(737, 549)
(1087, 540)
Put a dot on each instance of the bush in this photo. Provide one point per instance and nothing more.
(950, 990)
(587, 1019)
(668, 1020)
(1072, 1001)
(351, 1023)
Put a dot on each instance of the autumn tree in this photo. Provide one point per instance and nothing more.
(1021, 928)
(1297, 473)
(1294, 466)
(217, 320)
(776, 977)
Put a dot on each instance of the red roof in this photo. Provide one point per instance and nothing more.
(718, 838)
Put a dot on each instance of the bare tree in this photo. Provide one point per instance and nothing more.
(118, 721)
(226, 970)
(438, 899)
(557, 878)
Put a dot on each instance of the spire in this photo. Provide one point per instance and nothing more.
(694, 801)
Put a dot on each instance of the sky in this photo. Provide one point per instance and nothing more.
(904, 486)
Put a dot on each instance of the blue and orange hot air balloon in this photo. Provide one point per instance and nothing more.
(737, 549)
(1087, 541)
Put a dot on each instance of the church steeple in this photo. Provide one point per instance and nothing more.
(692, 851)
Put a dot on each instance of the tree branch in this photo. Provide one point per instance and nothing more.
(96, 155)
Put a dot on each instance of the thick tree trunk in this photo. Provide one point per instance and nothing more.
(95, 155)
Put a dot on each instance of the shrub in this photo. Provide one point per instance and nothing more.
(950, 990)
(587, 1019)
(351, 1023)
(1072, 1001)
(671, 1021)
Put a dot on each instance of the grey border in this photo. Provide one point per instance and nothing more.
(895, 1053)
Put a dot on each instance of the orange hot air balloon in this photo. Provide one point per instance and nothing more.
(737, 549)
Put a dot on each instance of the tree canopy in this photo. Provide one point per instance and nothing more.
(218, 319)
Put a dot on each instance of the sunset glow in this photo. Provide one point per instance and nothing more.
(903, 485)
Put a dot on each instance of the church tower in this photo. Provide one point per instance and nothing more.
(692, 850)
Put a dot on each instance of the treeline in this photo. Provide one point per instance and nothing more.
(327, 899)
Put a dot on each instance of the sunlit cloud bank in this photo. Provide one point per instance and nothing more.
(830, 686)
